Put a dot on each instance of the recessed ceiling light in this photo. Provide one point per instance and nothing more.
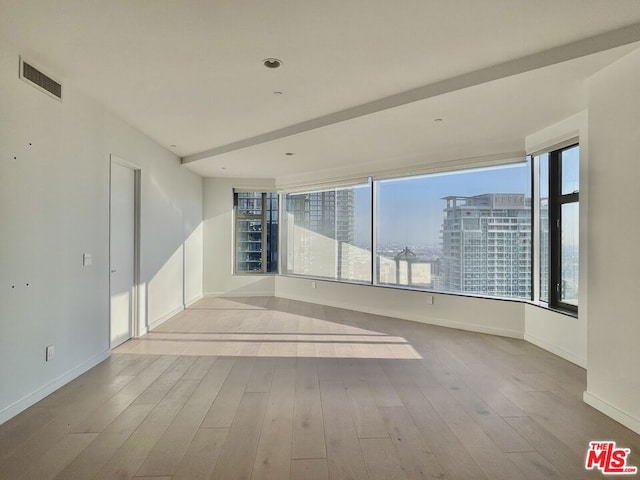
(271, 62)
(289, 153)
(437, 120)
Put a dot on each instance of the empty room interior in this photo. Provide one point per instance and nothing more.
(319, 240)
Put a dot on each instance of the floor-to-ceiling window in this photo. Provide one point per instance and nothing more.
(327, 233)
(467, 231)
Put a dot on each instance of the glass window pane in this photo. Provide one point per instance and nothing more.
(249, 203)
(569, 253)
(250, 222)
(249, 246)
(328, 234)
(570, 170)
(463, 232)
(543, 161)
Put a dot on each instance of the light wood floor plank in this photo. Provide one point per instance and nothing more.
(152, 478)
(381, 388)
(99, 419)
(161, 386)
(202, 455)
(344, 456)
(261, 376)
(105, 371)
(199, 369)
(493, 396)
(557, 453)
(486, 454)
(415, 457)
(274, 448)
(309, 469)
(502, 434)
(226, 403)
(535, 467)
(364, 408)
(308, 426)
(446, 447)
(22, 427)
(382, 459)
(53, 431)
(56, 458)
(93, 458)
(167, 453)
(239, 451)
(266, 387)
(128, 459)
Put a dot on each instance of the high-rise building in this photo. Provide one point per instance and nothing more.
(327, 220)
(486, 245)
(256, 232)
(544, 249)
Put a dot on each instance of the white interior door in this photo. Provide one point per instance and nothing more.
(122, 256)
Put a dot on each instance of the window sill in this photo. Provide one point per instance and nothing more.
(405, 288)
(257, 274)
(546, 306)
(542, 305)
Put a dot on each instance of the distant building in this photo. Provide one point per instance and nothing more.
(544, 249)
(256, 226)
(407, 268)
(486, 245)
(325, 230)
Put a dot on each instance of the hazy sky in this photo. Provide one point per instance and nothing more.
(410, 211)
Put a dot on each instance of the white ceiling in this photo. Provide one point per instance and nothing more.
(189, 72)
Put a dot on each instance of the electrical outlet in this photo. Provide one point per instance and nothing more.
(50, 352)
(429, 299)
(313, 284)
(86, 259)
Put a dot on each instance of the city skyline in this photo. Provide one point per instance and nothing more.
(397, 201)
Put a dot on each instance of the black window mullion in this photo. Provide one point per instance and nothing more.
(555, 175)
(556, 201)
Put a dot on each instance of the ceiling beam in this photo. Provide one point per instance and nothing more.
(598, 43)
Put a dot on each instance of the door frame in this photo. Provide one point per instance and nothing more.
(136, 327)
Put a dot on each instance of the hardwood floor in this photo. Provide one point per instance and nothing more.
(266, 388)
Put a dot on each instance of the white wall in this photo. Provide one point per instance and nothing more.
(564, 335)
(558, 333)
(54, 206)
(613, 378)
(498, 317)
(218, 233)
(170, 227)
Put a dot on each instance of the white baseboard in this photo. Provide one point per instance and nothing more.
(164, 318)
(195, 299)
(471, 327)
(34, 397)
(255, 293)
(561, 352)
(609, 410)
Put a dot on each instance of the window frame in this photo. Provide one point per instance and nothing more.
(314, 208)
(508, 226)
(262, 217)
(556, 200)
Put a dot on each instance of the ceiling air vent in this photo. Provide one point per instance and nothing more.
(40, 80)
